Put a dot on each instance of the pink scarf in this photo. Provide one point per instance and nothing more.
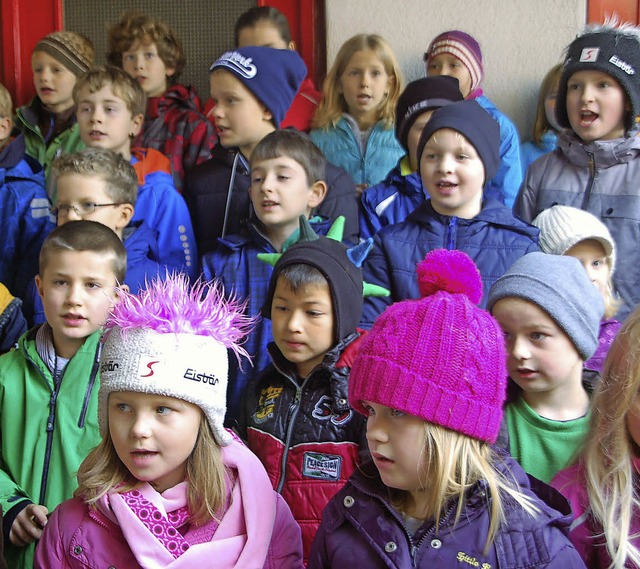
(150, 521)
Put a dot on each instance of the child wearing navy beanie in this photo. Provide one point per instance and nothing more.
(458, 154)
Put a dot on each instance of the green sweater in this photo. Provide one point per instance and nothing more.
(542, 446)
(45, 433)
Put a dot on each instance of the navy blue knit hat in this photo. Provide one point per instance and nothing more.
(475, 124)
(421, 96)
(272, 75)
(612, 50)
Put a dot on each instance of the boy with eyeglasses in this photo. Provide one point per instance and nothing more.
(97, 184)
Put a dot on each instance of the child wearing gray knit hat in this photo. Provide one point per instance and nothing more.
(550, 314)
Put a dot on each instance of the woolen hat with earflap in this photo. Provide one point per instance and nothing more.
(611, 50)
(562, 227)
(272, 75)
(441, 357)
(172, 339)
(475, 124)
(338, 264)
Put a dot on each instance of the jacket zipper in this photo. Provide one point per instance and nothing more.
(452, 233)
(50, 428)
(87, 394)
(592, 179)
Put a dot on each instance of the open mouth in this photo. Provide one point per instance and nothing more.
(588, 117)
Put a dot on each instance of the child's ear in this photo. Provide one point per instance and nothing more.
(122, 287)
(136, 125)
(6, 126)
(39, 285)
(317, 192)
(169, 71)
(126, 213)
(267, 115)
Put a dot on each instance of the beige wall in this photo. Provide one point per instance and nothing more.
(520, 39)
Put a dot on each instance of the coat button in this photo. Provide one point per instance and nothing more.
(77, 549)
(342, 401)
(390, 547)
(436, 543)
(348, 501)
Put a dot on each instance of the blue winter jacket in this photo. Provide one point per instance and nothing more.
(142, 263)
(234, 262)
(531, 151)
(341, 148)
(24, 216)
(505, 184)
(494, 239)
(360, 528)
(165, 211)
(390, 201)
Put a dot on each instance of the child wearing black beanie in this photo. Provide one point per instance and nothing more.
(458, 154)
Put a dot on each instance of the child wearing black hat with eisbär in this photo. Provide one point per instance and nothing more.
(401, 192)
(597, 162)
(459, 153)
(297, 416)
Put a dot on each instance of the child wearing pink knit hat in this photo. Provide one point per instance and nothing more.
(430, 377)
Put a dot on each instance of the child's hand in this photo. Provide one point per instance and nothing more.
(28, 525)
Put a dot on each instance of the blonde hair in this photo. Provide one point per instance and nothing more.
(6, 104)
(455, 462)
(548, 87)
(208, 478)
(333, 103)
(607, 458)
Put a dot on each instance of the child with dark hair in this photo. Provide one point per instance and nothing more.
(297, 417)
(253, 88)
(150, 51)
(401, 192)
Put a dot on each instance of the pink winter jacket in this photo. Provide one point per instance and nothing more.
(257, 531)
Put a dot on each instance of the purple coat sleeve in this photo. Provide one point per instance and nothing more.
(285, 550)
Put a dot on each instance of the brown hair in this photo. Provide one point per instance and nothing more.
(6, 104)
(548, 87)
(259, 14)
(135, 27)
(84, 235)
(122, 84)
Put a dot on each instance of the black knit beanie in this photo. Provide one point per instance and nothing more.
(420, 96)
(475, 124)
(345, 280)
(614, 51)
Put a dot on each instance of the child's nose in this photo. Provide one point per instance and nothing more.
(445, 164)
(376, 433)
(141, 427)
(74, 294)
(520, 349)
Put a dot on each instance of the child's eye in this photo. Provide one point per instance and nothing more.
(149, 55)
(256, 179)
(572, 87)
(282, 177)
(397, 413)
(538, 336)
(368, 409)
(163, 410)
(429, 156)
(462, 157)
(59, 282)
(314, 313)
(93, 285)
(279, 308)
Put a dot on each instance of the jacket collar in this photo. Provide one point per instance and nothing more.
(605, 153)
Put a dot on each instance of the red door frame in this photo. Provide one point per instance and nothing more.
(626, 10)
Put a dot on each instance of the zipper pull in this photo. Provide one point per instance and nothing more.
(414, 552)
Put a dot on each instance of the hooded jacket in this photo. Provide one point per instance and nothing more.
(165, 211)
(217, 193)
(236, 265)
(174, 125)
(58, 423)
(256, 531)
(493, 239)
(360, 528)
(602, 178)
(304, 432)
(24, 215)
(390, 201)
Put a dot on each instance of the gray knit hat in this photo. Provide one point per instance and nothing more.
(561, 287)
(562, 227)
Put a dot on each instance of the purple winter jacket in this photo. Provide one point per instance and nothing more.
(361, 529)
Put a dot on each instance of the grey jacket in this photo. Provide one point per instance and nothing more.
(603, 178)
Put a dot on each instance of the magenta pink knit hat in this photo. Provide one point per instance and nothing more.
(440, 358)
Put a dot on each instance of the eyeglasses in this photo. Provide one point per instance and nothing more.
(84, 208)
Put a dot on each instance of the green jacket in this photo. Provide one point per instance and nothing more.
(66, 142)
(45, 432)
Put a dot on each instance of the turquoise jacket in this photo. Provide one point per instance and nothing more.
(46, 430)
(341, 148)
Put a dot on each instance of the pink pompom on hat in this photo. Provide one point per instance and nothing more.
(440, 357)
